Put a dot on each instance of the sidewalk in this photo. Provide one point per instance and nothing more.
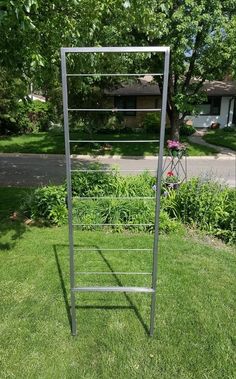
(197, 138)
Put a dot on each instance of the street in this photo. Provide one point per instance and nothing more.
(31, 170)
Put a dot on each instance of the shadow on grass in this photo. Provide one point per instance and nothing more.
(131, 305)
(11, 228)
(16, 230)
(33, 143)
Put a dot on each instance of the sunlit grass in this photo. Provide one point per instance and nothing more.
(50, 143)
(222, 137)
(195, 328)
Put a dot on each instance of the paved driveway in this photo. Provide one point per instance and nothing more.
(30, 170)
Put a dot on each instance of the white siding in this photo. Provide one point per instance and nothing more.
(205, 121)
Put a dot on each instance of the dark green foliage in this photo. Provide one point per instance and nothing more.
(47, 204)
(33, 116)
(201, 203)
(152, 122)
(187, 130)
(207, 205)
(11, 90)
(111, 184)
(122, 213)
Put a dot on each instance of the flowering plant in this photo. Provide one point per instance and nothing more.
(175, 145)
(171, 178)
(176, 148)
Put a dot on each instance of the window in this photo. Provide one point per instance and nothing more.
(211, 106)
(126, 102)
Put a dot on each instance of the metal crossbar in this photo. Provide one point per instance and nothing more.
(113, 289)
(113, 141)
(114, 197)
(108, 224)
(105, 249)
(107, 170)
(114, 110)
(120, 74)
(112, 273)
(74, 288)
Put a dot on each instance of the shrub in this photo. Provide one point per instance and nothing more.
(200, 203)
(111, 183)
(186, 130)
(207, 205)
(33, 116)
(47, 204)
(122, 214)
(152, 122)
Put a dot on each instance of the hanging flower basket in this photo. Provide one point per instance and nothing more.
(172, 181)
(173, 186)
(176, 153)
(176, 149)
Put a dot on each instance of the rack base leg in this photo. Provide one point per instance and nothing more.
(73, 315)
(152, 313)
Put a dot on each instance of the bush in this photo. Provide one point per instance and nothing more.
(186, 130)
(111, 183)
(152, 122)
(122, 214)
(207, 205)
(201, 203)
(47, 204)
(33, 116)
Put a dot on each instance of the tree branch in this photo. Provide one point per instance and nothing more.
(193, 58)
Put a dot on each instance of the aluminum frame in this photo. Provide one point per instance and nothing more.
(73, 288)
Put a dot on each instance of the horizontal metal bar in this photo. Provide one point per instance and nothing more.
(113, 225)
(114, 110)
(114, 197)
(110, 170)
(115, 49)
(113, 289)
(119, 74)
(111, 141)
(111, 273)
(106, 249)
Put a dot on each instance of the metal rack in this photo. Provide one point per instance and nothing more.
(177, 165)
(73, 287)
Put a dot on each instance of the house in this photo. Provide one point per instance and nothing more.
(141, 95)
(220, 106)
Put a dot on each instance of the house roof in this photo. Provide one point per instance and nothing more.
(216, 88)
(135, 90)
(212, 88)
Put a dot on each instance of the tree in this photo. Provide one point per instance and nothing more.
(198, 33)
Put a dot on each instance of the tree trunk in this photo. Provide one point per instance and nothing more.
(175, 123)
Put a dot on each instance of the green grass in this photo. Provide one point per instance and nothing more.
(195, 328)
(221, 137)
(51, 143)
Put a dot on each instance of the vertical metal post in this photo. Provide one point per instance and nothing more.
(158, 189)
(69, 189)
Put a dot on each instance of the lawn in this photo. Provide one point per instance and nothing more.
(51, 143)
(195, 328)
(222, 137)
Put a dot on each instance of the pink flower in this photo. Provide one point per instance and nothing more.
(174, 145)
